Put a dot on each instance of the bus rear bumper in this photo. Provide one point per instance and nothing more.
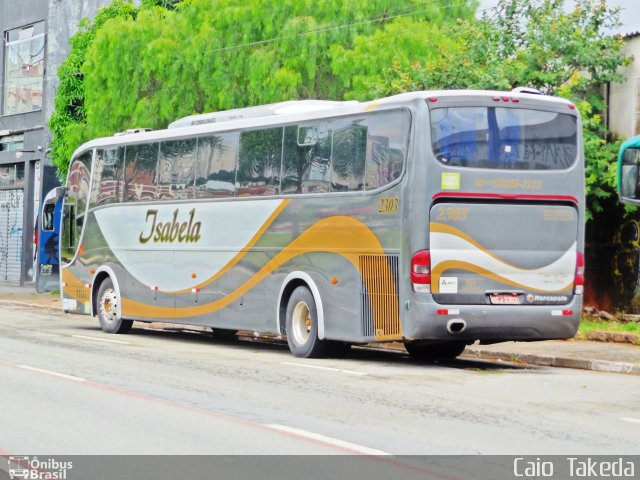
(431, 321)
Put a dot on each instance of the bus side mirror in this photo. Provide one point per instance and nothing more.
(629, 188)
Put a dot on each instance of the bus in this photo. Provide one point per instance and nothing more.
(48, 240)
(628, 161)
(433, 218)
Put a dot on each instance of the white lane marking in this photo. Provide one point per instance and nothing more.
(97, 339)
(330, 369)
(55, 374)
(632, 420)
(328, 440)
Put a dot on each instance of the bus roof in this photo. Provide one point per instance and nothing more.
(292, 111)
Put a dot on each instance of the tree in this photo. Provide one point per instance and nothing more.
(170, 59)
(69, 116)
(532, 43)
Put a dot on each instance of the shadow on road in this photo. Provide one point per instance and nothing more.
(359, 353)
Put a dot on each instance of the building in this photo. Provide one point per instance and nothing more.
(35, 42)
(624, 98)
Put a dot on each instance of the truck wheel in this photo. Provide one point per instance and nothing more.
(302, 325)
(108, 301)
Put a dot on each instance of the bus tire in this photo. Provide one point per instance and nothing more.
(107, 308)
(436, 351)
(302, 325)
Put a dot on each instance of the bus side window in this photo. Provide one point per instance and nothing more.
(176, 169)
(215, 169)
(68, 234)
(47, 216)
(107, 177)
(259, 162)
(75, 206)
(387, 147)
(307, 155)
(629, 180)
(349, 150)
(141, 172)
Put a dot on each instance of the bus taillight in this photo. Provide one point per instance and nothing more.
(421, 271)
(579, 279)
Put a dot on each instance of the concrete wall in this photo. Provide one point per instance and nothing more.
(64, 17)
(61, 22)
(624, 99)
(15, 14)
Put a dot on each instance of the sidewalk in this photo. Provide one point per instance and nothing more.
(586, 355)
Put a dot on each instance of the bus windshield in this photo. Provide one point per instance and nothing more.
(504, 138)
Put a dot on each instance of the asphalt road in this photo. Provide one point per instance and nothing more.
(66, 388)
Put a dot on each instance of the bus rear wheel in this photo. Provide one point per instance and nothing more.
(302, 325)
(437, 351)
(107, 307)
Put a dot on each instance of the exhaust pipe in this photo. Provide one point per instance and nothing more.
(456, 325)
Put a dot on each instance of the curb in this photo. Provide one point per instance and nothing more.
(553, 361)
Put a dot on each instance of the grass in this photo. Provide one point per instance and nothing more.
(588, 324)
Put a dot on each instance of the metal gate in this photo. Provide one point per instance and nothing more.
(11, 206)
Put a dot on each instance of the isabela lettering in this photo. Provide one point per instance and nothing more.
(164, 232)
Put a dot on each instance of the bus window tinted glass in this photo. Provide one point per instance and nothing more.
(140, 172)
(108, 177)
(504, 138)
(176, 169)
(216, 165)
(629, 187)
(307, 158)
(388, 137)
(349, 151)
(75, 205)
(259, 162)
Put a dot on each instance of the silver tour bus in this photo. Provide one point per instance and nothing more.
(435, 219)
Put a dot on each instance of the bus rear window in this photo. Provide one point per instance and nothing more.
(504, 138)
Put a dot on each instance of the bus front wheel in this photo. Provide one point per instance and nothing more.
(302, 325)
(108, 302)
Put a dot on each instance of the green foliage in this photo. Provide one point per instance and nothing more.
(67, 121)
(528, 43)
(170, 59)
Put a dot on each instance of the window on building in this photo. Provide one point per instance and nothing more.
(11, 143)
(23, 69)
(12, 175)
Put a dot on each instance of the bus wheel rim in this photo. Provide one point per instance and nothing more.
(109, 305)
(301, 323)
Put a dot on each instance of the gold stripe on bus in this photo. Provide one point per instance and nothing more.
(241, 254)
(436, 227)
(73, 284)
(331, 235)
(470, 267)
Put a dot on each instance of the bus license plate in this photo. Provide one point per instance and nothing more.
(504, 298)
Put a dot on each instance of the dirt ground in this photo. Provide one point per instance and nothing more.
(41, 299)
